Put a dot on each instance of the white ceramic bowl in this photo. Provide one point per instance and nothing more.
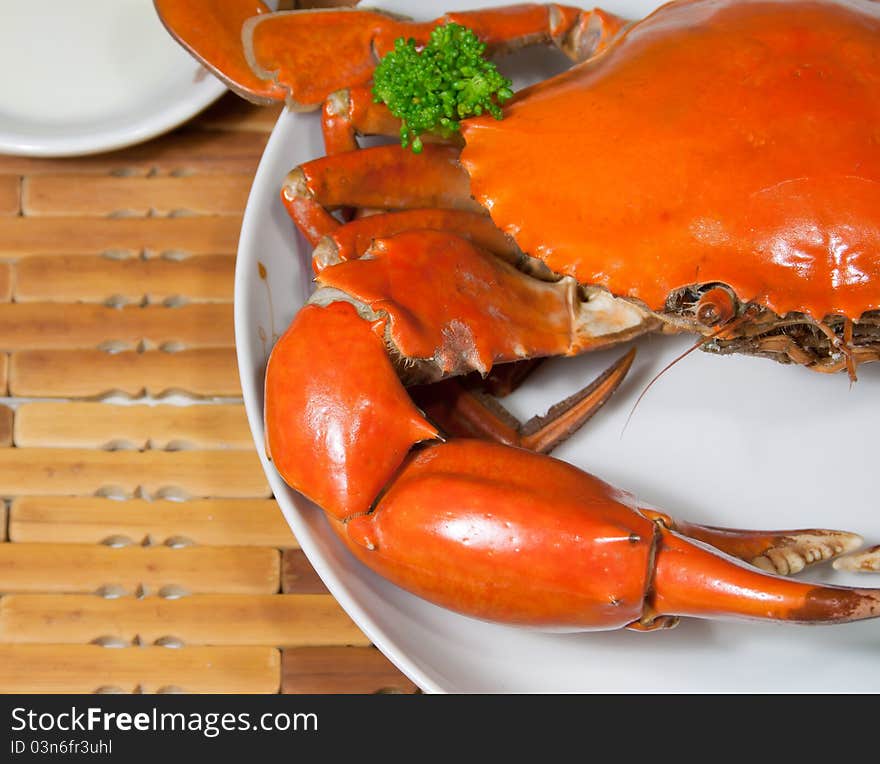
(92, 75)
(733, 441)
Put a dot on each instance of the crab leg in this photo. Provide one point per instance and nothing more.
(463, 412)
(383, 177)
(428, 190)
(548, 331)
(352, 240)
(352, 112)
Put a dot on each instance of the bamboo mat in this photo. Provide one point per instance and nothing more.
(140, 547)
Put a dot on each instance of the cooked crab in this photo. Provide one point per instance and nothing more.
(714, 168)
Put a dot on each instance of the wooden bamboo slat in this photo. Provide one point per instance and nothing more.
(103, 195)
(194, 235)
(6, 280)
(90, 568)
(297, 574)
(157, 474)
(333, 670)
(7, 419)
(91, 668)
(10, 194)
(46, 325)
(237, 114)
(91, 373)
(102, 425)
(116, 277)
(201, 619)
(183, 152)
(93, 278)
(91, 519)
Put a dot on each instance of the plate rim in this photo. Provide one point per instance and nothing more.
(86, 141)
(187, 88)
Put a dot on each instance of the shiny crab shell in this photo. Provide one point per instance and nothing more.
(749, 157)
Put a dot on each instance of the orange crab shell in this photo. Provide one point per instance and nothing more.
(749, 155)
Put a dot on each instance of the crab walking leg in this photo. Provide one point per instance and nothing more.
(352, 112)
(351, 240)
(382, 177)
(348, 113)
(507, 378)
(468, 413)
(304, 56)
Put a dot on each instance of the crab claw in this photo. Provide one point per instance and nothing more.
(505, 534)
(785, 553)
(866, 561)
(304, 56)
(298, 56)
(211, 31)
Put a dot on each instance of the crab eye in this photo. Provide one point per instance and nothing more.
(717, 306)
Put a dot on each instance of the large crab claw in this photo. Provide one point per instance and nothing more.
(310, 58)
(304, 56)
(498, 532)
(211, 31)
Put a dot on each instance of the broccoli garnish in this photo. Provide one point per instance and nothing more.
(432, 89)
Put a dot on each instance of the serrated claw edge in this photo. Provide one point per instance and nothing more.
(799, 551)
(866, 561)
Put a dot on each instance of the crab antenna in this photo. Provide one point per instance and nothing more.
(726, 326)
(659, 374)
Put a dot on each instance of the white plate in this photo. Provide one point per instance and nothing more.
(92, 75)
(730, 441)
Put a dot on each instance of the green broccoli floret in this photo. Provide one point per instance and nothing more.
(432, 89)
